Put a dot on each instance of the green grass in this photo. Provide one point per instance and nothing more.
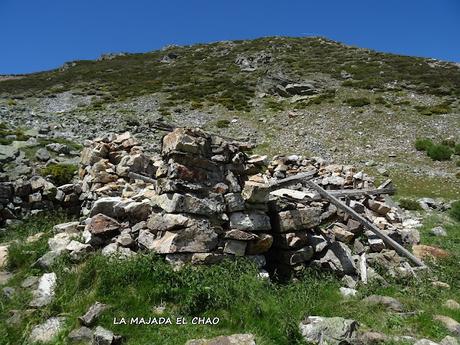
(357, 102)
(230, 291)
(59, 173)
(409, 204)
(423, 144)
(439, 152)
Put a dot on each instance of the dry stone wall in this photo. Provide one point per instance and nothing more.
(204, 199)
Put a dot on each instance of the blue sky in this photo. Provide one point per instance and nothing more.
(42, 34)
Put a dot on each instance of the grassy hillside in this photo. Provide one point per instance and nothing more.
(367, 108)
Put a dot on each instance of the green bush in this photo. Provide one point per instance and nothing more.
(433, 110)
(222, 123)
(409, 204)
(60, 173)
(455, 210)
(439, 152)
(358, 102)
(458, 163)
(423, 144)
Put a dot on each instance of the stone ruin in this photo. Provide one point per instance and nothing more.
(203, 199)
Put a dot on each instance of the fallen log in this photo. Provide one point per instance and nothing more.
(355, 215)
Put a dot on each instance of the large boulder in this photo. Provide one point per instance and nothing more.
(329, 330)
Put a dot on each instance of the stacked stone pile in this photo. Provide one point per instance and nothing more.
(203, 199)
(26, 196)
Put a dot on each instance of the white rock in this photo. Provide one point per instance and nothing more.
(45, 290)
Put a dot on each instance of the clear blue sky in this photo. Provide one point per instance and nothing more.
(42, 34)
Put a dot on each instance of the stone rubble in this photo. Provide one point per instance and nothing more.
(204, 199)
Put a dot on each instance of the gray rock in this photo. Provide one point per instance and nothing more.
(425, 342)
(8, 153)
(452, 325)
(372, 338)
(146, 239)
(348, 292)
(234, 202)
(167, 221)
(448, 340)
(105, 206)
(78, 251)
(329, 330)
(237, 248)
(47, 331)
(70, 227)
(58, 148)
(30, 281)
(92, 314)
(102, 225)
(8, 292)
(45, 291)
(385, 301)
(293, 257)
(234, 339)
(299, 219)
(200, 237)
(102, 336)
(47, 260)
(250, 221)
(186, 203)
(80, 335)
(338, 259)
(438, 231)
(451, 304)
(42, 155)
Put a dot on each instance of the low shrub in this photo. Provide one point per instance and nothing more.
(358, 102)
(439, 152)
(60, 173)
(409, 204)
(222, 123)
(423, 144)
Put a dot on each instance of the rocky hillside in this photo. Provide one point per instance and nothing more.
(307, 95)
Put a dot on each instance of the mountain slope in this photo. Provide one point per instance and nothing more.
(307, 95)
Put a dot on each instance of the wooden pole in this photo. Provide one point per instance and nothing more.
(355, 215)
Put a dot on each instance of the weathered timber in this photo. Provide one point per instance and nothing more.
(355, 215)
(291, 179)
(135, 176)
(361, 192)
(385, 184)
(304, 196)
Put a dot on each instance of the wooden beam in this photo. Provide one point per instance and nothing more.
(360, 192)
(135, 176)
(355, 215)
(291, 179)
